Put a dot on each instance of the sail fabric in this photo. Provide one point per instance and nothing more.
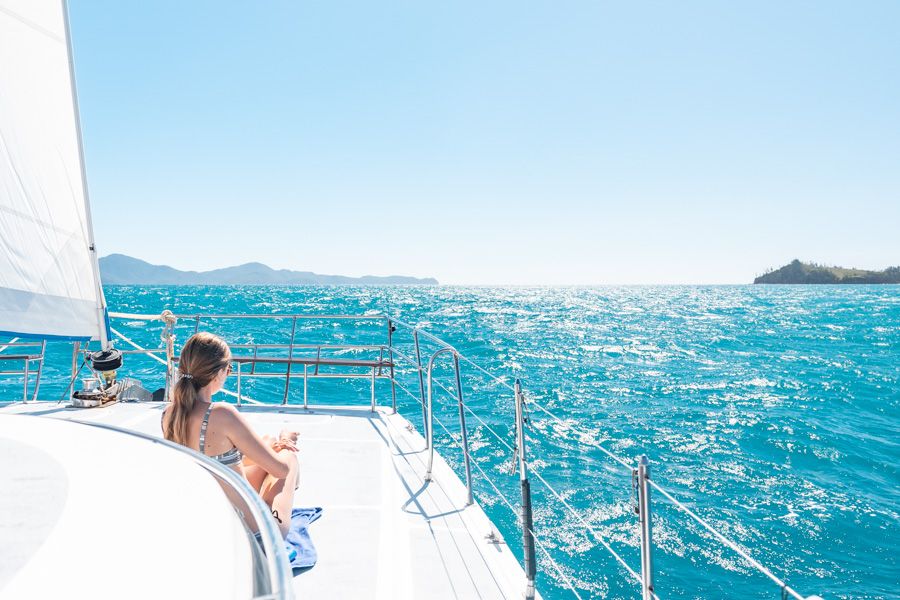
(49, 284)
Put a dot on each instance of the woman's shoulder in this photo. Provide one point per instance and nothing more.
(223, 411)
(227, 418)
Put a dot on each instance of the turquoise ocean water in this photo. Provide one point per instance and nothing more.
(771, 411)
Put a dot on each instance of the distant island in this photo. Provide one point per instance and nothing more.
(118, 269)
(799, 272)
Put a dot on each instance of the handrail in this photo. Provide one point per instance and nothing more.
(309, 317)
(279, 570)
(755, 563)
(27, 358)
(301, 360)
(444, 344)
(154, 317)
(429, 418)
(462, 423)
(309, 346)
(599, 538)
(728, 543)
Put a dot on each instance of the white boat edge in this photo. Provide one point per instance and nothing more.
(385, 531)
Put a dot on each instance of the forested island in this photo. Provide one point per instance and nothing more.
(800, 272)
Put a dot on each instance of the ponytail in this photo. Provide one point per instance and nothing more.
(184, 398)
(202, 357)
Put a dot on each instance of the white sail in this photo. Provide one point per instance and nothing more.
(49, 278)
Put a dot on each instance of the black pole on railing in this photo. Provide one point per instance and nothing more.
(641, 476)
(390, 337)
(527, 518)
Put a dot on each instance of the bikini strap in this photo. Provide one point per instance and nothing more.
(203, 429)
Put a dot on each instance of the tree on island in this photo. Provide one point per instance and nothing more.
(813, 273)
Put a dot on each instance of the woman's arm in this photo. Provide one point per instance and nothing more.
(249, 443)
(281, 443)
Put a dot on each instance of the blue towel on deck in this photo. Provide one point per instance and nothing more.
(301, 550)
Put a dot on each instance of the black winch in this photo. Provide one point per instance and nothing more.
(107, 360)
(104, 363)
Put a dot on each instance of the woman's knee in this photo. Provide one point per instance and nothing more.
(291, 459)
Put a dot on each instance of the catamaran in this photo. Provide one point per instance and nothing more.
(93, 502)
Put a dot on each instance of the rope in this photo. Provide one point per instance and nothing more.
(756, 564)
(784, 587)
(489, 428)
(411, 395)
(169, 318)
(412, 362)
(72, 380)
(9, 343)
(726, 541)
(584, 523)
(587, 526)
(562, 500)
(444, 344)
(135, 345)
(497, 435)
(555, 564)
(479, 419)
(596, 445)
(136, 317)
(485, 371)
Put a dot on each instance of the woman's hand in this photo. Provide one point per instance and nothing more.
(287, 434)
(287, 440)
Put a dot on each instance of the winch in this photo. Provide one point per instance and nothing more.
(101, 388)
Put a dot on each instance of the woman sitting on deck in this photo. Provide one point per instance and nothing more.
(219, 431)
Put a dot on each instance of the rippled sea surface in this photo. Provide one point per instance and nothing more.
(772, 412)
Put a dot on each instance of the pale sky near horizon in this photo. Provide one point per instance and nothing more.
(494, 143)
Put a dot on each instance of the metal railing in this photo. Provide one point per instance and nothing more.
(27, 352)
(380, 367)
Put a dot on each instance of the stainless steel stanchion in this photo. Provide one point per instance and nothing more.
(527, 518)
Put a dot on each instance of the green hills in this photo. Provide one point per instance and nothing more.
(811, 273)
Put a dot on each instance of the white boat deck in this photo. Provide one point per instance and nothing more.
(384, 532)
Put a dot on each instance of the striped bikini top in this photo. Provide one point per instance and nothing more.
(229, 458)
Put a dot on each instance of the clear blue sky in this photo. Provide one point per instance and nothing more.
(494, 142)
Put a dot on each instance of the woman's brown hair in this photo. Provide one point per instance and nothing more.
(202, 357)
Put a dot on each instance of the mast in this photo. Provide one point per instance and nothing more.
(92, 247)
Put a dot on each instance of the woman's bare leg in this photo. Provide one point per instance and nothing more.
(268, 440)
(279, 493)
(256, 476)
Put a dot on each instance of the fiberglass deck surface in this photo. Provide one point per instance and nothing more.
(384, 532)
